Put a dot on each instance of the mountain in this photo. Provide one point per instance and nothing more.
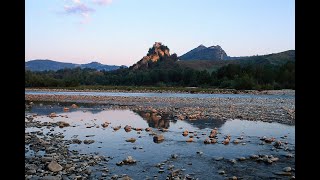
(269, 59)
(205, 53)
(42, 65)
(158, 55)
(99, 66)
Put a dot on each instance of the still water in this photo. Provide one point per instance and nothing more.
(148, 153)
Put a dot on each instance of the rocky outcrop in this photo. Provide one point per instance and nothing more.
(157, 53)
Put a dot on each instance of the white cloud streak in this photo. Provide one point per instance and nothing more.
(78, 7)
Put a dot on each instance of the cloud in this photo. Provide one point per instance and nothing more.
(76, 1)
(102, 2)
(80, 8)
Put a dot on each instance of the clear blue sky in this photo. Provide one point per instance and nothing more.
(120, 32)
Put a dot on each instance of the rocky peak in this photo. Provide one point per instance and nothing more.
(215, 47)
(201, 46)
(156, 53)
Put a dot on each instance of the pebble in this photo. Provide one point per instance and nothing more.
(218, 158)
(132, 140)
(51, 178)
(174, 156)
(158, 138)
(287, 169)
(54, 166)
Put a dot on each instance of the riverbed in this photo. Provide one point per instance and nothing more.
(87, 139)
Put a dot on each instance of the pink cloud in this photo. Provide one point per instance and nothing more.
(102, 2)
(78, 9)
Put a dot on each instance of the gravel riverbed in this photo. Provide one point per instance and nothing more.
(265, 109)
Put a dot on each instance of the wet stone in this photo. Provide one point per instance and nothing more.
(174, 156)
(287, 169)
(218, 158)
(88, 141)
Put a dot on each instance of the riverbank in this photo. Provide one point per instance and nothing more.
(146, 89)
(266, 109)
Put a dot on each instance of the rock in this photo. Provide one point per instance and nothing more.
(199, 152)
(31, 166)
(269, 140)
(158, 138)
(76, 141)
(129, 160)
(105, 124)
(51, 178)
(185, 133)
(241, 158)
(63, 124)
(132, 140)
(137, 129)
(218, 158)
(283, 173)
(65, 109)
(46, 159)
(226, 141)
(127, 128)
(207, 141)
(32, 171)
(213, 141)
(74, 106)
(125, 177)
(269, 161)
(88, 141)
(234, 178)
(174, 156)
(116, 128)
(120, 163)
(287, 169)
(221, 172)
(148, 129)
(241, 138)
(52, 115)
(275, 159)
(289, 155)
(154, 111)
(54, 166)
(263, 138)
(277, 144)
(190, 140)
(233, 161)
(236, 141)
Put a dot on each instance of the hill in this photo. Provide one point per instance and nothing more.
(269, 59)
(205, 53)
(43, 65)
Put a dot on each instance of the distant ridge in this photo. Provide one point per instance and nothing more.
(43, 65)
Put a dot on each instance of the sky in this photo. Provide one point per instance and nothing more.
(120, 32)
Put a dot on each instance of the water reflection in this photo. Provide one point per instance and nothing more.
(86, 124)
(154, 120)
(206, 123)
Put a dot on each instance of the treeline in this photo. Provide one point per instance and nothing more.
(231, 76)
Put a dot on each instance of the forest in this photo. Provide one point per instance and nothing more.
(231, 76)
